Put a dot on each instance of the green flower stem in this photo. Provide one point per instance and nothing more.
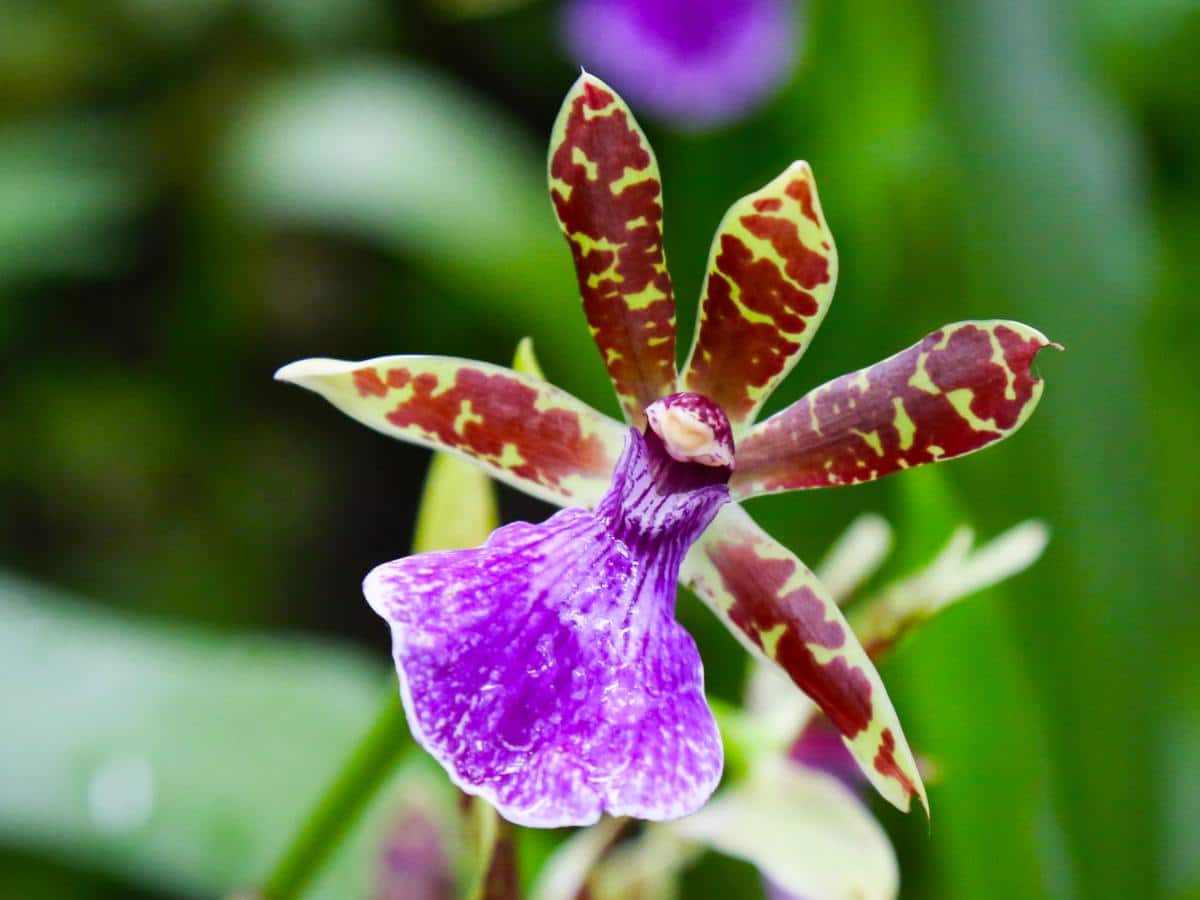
(372, 761)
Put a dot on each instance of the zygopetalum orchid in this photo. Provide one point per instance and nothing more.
(545, 670)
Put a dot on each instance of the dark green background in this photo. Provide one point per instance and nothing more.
(193, 193)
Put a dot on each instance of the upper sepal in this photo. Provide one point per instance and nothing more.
(519, 429)
(607, 195)
(963, 387)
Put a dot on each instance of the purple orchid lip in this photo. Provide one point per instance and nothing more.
(545, 670)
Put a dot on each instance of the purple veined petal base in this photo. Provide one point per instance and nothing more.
(545, 670)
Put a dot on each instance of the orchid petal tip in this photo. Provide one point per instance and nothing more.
(302, 369)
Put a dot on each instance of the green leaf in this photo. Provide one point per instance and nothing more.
(1058, 228)
(177, 758)
(65, 192)
(395, 152)
(966, 697)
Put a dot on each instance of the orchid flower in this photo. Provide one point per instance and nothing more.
(793, 807)
(696, 63)
(545, 670)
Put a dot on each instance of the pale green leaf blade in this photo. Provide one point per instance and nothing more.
(175, 758)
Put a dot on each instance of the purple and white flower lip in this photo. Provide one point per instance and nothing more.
(696, 63)
(545, 670)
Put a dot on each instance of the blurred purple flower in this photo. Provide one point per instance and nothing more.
(696, 63)
(416, 861)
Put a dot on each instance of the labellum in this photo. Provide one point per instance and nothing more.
(545, 670)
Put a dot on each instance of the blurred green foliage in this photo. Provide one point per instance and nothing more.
(193, 193)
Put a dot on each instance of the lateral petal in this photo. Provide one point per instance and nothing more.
(963, 387)
(771, 274)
